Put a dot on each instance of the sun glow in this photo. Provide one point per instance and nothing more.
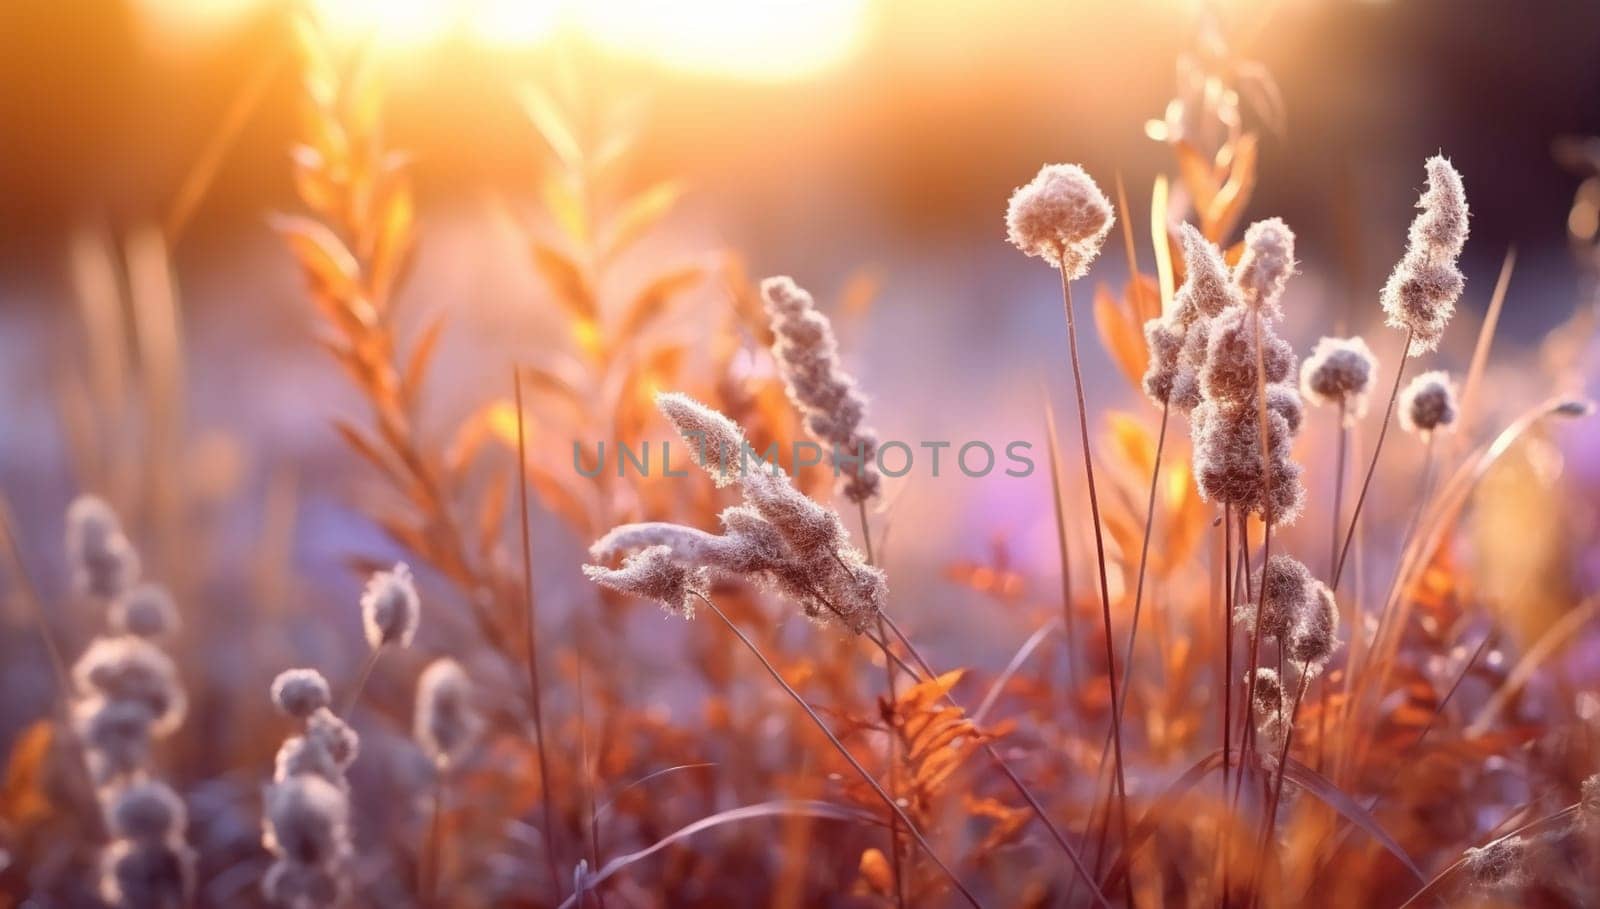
(749, 39)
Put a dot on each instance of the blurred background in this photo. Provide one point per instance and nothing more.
(841, 141)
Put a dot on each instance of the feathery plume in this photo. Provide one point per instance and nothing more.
(103, 562)
(778, 538)
(1265, 266)
(718, 443)
(1060, 216)
(1178, 339)
(1421, 293)
(300, 692)
(144, 611)
(390, 607)
(1499, 864)
(1339, 370)
(1270, 711)
(1428, 403)
(447, 720)
(652, 574)
(808, 359)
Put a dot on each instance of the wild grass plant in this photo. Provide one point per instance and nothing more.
(1241, 706)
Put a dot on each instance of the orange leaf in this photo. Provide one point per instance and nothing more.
(875, 871)
(1120, 336)
(572, 288)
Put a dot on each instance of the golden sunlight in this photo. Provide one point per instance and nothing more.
(770, 41)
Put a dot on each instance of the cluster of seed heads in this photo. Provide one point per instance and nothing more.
(1421, 293)
(1226, 423)
(826, 396)
(307, 807)
(1269, 711)
(127, 694)
(778, 538)
(147, 862)
(1178, 339)
(306, 824)
(1296, 609)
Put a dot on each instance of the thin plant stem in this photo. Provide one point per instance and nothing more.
(1144, 560)
(1224, 829)
(1277, 785)
(1062, 551)
(586, 774)
(1338, 487)
(1138, 602)
(1100, 557)
(354, 697)
(435, 861)
(531, 640)
(1377, 449)
(838, 746)
(894, 746)
(30, 595)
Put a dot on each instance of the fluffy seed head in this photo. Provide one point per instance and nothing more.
(1207, 287)
(1165, 344)
(307, 821)
(1315, 634)
(717, 442)
(299, 755)
(147, 874)
(1501, 863)
(1421, 292)
(145, 611)
(390, 607)
(1286, 591)
(1269, 690)
(127, 668)
(103, 562)
(1589, 799)
(148, 811)
(1061, 216)
(653, 574)
(295, 884)
(1339, 370)
(1228, 465)
(1428, 403)
(326, 730)
(1265, 266)
(447, 720)
(1229, 374)
(300, 692)
(1284, 400)
(115, 735)
(808, 359)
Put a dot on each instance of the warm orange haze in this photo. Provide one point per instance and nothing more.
(843, 453)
